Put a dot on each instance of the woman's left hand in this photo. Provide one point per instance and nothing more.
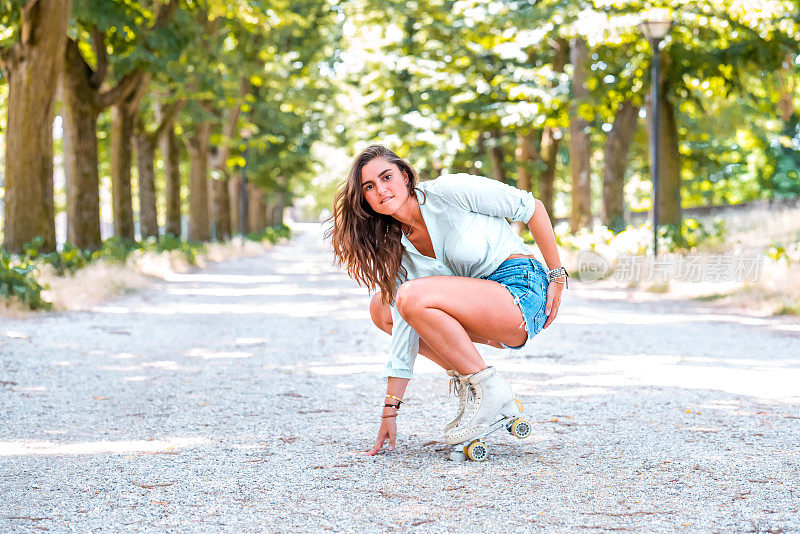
(554, 290)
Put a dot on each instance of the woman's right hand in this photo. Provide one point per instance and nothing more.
(387, 430)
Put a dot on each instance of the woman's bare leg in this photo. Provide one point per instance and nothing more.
(446, 310)
(382, 318)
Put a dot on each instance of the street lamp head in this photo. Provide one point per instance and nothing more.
(655, 29)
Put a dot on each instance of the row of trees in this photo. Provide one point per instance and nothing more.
(549, 94)
(186, 78)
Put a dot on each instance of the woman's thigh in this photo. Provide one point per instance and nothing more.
(483, 307)
(382, 317)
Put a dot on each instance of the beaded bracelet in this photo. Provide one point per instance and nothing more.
(395, 398)
(387, 416)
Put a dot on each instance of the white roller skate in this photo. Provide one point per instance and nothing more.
(488, 396)
(457, 386)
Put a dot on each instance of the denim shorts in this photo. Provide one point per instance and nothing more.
(526, 280)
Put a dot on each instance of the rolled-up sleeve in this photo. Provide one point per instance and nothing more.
(404, 348)
(484, 195)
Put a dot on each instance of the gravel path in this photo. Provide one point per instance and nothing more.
(237, 398)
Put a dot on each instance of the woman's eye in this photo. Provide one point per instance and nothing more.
(387, 177)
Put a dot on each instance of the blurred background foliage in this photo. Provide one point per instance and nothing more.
(197, 120)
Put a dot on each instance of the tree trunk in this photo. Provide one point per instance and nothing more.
(234, 188)
(148, 140)
(579, 140)
(551, 138)
(125, 113)
(145, 158)
(263, 219)
(526, 156)
(498, 157)
(615, 162)
(278, 210)
(278, 207)
(222, 213)
(669, 179)
(79, 119)
(32, 68)
(83, 101)
(172, 160)
(122, 202)
(253, 206)
(549, 152)
(199, 227)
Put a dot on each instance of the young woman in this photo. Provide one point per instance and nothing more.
(450, 271)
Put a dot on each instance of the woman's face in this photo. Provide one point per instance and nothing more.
(384, 186)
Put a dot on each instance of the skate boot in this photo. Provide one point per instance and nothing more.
(488, 395)
(458, 387)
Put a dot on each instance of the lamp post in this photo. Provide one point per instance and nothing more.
(655, 30)
(246, 134)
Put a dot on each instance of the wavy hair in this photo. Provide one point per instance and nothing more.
(365, 242)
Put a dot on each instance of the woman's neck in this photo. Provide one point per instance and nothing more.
(410, 216)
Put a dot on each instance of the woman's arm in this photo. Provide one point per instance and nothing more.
(396, 387)
(542, 232)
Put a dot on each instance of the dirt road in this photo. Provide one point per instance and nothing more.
(236, 398)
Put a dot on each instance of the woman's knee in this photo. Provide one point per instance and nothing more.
(380, 314)
(410, 295)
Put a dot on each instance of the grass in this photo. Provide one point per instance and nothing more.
(772, 236)
(790, 309)
(711, 298)
(121, 271)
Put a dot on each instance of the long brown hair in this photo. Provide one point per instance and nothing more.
(365, 242)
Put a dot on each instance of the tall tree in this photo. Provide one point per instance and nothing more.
(31, 65)
(117, 78)
(198, 146)
(579, 138)
(122, 129)
(84, 98)
(551, 133)
(615, 162)
(669, 179)
(146, 141)
(171, 150)
(526, 155)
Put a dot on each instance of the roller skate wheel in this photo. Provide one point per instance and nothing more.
(521, 428)
(477, 451)
(510, 425)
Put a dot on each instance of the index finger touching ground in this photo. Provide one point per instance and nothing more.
(375, 448)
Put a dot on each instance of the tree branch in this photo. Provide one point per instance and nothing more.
(74, 60)
(30, 19)
(99, 48)
(170, 113)
(135, 98)
(165, 12)
(129, 83)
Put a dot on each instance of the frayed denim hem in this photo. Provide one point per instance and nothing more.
(523, 325)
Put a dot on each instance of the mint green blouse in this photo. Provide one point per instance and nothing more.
(466, 219)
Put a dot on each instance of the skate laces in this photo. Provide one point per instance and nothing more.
(471, 399)
(455, 386)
